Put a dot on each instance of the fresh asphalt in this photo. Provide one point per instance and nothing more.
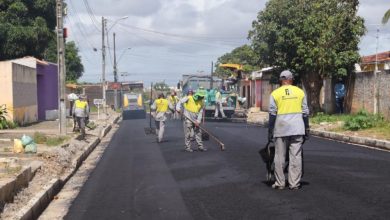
(138, 178)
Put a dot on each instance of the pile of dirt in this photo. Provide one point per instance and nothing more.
(56, 162)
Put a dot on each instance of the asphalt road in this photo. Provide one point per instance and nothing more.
(138, 178)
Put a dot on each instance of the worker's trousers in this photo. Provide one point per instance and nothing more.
(81, 124)
(189, 130)
(160, 128)
(218, 108)
(175, 115)
(292, 145)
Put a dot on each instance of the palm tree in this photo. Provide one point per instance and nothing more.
(386, 17)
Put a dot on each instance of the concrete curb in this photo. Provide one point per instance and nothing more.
(9, 187)
(371, 142)
(376, 143)
(38, 203)
(34, 208)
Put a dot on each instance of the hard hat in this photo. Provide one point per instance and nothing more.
(199, 94)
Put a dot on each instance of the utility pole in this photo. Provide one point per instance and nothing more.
(375, 74)
(115, 67)
(103, 65)
(61, 67)
(211, 74)
(115, 76)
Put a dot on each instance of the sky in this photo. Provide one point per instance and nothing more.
(160, 40)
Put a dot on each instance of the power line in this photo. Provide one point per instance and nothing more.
(70, 20)
(78, 43)
(178, 35)
(91, 15)
(193, 41)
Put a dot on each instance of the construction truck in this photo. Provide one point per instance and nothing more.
(133, 107)
(210, 85)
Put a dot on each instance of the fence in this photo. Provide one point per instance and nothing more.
(362, 94)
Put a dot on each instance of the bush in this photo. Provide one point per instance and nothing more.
(362, 120)
(4, 123)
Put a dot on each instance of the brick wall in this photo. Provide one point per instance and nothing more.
(362, 92)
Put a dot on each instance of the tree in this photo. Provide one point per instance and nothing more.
(312, 38)
(26, 27)
(244, 55)
(161, 87)
(73, 64)
(386, 17)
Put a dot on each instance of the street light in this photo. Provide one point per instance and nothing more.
(123, 52)
(116, 21)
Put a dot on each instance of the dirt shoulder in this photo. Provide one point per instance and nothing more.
(56, 161)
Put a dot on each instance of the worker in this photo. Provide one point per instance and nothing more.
(161, 106)
(339, 91)
(288, 128)
(173, 99)
(193, 112)
(81, 112)
(218, 105)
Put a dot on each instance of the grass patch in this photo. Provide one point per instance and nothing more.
(322, 117)
(55, 141)
(361, 124)
(93, 108)
(6, 124)
(41, 138)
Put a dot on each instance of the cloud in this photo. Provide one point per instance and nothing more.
(372, 12)
(141, 8)
(174, 37)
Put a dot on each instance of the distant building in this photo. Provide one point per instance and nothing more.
(368, 63)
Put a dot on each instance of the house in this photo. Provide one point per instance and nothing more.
(368, 63)
(29, 89)
(257, 88)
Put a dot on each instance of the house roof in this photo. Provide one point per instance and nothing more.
(380, 57)
(30, 61)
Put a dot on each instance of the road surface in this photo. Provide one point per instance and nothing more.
(138, 178)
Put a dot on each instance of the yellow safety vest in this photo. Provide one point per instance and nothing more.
(288, 99)
(173, 99)
(162, 105)
(81, 104)
(193, 106)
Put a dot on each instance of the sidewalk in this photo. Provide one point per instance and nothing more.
(320, 130)
(50, 162)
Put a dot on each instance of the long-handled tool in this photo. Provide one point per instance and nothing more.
(150, 130)
(222, 145)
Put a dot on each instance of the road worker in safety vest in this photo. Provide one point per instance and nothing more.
(161, 107)
(173, 99)
(218, 105)
(193, 106)
(81, 113)
(288, 128)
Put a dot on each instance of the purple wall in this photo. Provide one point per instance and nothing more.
(47, 83)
